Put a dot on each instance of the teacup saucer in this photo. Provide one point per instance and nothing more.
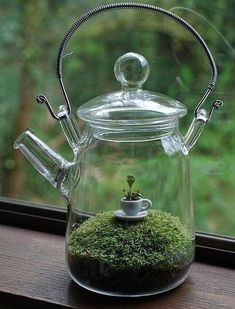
(121, 215)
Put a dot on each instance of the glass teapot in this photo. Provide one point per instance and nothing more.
(130, 229)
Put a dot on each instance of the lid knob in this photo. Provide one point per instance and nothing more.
(131, 70)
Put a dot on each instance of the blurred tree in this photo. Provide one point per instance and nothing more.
(25, 57)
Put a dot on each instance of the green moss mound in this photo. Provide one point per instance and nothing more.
(160, 242)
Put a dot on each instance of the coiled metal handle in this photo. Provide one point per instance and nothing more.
(140, 6)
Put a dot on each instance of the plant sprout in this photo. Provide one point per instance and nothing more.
(129, 195)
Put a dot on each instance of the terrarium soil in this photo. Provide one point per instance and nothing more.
(96, 275)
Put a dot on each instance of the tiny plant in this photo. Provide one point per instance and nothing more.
(128, 194)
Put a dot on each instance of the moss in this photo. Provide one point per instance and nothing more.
(160, 241)
(130, 258)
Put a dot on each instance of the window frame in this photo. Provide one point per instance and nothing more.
(210, 248)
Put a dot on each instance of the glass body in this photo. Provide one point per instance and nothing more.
(130, 258)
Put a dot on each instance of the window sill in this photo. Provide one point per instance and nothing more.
(33, 273)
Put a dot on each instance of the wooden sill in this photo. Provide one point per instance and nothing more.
(33, 275)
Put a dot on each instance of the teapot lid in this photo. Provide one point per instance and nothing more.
(132, 107)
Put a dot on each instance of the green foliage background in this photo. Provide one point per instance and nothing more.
(29, 38)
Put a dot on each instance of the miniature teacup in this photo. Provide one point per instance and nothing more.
(132, 208)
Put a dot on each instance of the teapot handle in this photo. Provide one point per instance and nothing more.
(107, 7)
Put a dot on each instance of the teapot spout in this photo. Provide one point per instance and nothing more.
(58, 171)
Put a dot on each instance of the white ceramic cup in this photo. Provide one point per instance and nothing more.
(132, 208)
